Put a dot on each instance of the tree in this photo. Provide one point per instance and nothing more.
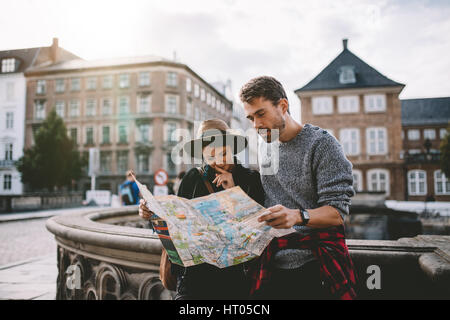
(53, 161)
(445, 154)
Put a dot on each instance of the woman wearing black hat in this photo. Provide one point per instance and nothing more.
(217, 147)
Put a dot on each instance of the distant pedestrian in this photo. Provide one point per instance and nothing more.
(129, 191)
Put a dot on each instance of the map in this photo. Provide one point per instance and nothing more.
(221, 229)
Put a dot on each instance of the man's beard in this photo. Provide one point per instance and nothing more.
(270, 135)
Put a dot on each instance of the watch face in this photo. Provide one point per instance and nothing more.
(306, 214)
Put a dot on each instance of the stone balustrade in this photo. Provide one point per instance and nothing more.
(116, 257)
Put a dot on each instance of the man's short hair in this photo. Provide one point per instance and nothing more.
(264, 87)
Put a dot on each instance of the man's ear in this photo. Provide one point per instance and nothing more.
(284, 105)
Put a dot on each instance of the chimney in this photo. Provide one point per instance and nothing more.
(344, 42)
(54, 50)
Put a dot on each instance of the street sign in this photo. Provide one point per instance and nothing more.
(161, 177)
(94, 161)
(160, 191)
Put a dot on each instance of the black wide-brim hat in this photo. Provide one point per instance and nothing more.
(216, 138)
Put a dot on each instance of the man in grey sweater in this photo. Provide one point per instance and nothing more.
(309, 188)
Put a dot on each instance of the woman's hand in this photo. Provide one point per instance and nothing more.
(224, 179)
(144, 212)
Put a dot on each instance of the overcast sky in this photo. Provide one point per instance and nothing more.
(293, 40)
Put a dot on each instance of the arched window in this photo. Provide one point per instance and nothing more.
(378, 180)
(441, 183)
(357, 180)
(417, 182)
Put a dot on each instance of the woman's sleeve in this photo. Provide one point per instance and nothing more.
(250, 182)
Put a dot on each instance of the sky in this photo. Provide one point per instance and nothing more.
(292, 40)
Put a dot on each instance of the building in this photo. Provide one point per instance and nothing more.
(12, 106)
(128, 108)
(361, 108)
(425, 123)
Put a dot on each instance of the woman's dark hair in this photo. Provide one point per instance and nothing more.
(265, 87)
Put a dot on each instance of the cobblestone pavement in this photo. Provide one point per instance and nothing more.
(24, 240)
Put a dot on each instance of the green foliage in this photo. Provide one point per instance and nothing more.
(445, 154)
(53, 161)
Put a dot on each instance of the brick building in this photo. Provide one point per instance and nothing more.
(361, 108)
(128, 108)
(13, 64)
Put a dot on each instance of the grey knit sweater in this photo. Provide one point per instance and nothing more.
(312, 172)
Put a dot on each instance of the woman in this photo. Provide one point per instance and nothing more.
(217, 147)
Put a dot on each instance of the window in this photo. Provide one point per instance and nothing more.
(144, 79)
(90, 135)
(74, 135)
(414, 151)
(75, 84)
(170, 129)
(171, 104)
(222, 108)
(441, 183)
(59, 108)
(107, 82)
(143, 132)
(106, 138)
(105, 161)
(106, 107)
(376, 141)
(202, 115)
(348, 104)
(442, 133)
(378, 180)
(74, 108)
(172, 80)
(429, 134)
(170, 166)
(375, 103)
(124, 80)
(144, 103)
(41, 87)
(9, 151)
(91, 105)
(213, 101)
(413, 134)
(91, 83)
(143, 163)
(7, 181)
(208, 98)
(60, 85)
(10, 120)
(357, 180)
(218, 105)
(124, 105)
(322, 105)
(347, 74)
(417, 183)
(196, 90)
(39, 109)
(8, 65)
(188, 85)
(202, 94)
(123, 134)
(349, 139)
(189, 107)
(122, 161)
(197, 113)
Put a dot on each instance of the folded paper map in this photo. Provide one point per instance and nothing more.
(221, 229)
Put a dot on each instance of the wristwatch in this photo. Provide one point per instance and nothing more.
(305, 217)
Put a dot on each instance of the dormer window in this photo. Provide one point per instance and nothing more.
(8, 65)
(347, 74)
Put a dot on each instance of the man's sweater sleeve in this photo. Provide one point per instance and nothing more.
(333, 172)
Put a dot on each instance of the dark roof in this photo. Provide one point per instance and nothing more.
(24, 56)
(366, 76)
(416, 112)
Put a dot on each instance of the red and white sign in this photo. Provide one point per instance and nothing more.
(161, 177)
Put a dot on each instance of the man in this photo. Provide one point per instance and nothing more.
(311, 192)
(129, 191)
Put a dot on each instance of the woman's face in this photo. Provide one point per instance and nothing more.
(219, 157)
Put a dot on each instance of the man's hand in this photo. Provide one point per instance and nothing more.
(281, 217)
(224, 179)
(144, 212)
